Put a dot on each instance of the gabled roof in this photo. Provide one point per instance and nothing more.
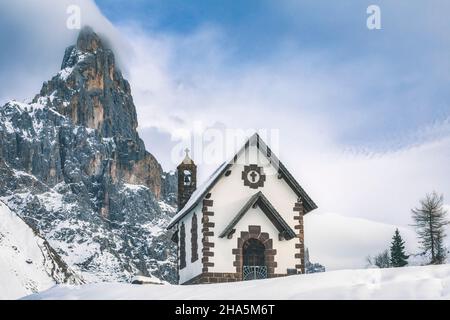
(261, 201)
(200, 193)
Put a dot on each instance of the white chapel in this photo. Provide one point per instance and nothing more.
(245, 222)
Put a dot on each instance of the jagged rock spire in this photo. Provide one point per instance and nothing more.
(88, 40)
(91, 91)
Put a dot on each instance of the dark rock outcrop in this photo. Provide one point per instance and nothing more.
(73, 166)
(92, 93)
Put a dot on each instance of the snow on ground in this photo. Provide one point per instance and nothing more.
(428, 282)
(22, 260)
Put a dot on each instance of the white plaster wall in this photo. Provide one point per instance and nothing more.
(192, 269)
(230, 195)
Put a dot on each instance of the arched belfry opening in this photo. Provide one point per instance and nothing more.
(254, 260)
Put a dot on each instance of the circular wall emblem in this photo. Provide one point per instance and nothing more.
(253, 176)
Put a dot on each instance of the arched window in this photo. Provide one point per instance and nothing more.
(187, 177)
(194, 238)
(182, 246)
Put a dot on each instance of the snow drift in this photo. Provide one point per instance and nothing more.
(27, 263)
(428, 282)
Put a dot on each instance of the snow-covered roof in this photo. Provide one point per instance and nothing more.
(199, 194)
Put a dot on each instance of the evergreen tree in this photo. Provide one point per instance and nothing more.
(430, 224)
(398, 256)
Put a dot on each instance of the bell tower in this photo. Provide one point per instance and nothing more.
(187, 179)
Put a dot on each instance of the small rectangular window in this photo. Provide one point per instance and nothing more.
(182, 246)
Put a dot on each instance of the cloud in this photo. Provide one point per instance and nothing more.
(34, 36)
(379, 186)
(179, 81)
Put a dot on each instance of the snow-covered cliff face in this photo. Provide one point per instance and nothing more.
(27, 263)
(72, 165)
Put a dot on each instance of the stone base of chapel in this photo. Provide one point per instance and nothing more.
(219, 277)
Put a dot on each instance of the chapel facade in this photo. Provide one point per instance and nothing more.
(245, 222)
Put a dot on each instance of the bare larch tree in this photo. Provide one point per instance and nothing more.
(430, 221)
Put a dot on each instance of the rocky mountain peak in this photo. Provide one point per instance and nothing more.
(92, 93)
(88, 40)
(91, 90)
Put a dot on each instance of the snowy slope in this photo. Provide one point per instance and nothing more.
(27, 263)
(340, 242)
(428, 282)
